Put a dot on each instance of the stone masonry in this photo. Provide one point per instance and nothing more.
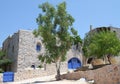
(110, 28)
(38, 72)
(21, 49)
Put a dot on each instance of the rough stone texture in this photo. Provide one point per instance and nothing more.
(117, 59)
(28, 55)
(21, 49)
(1, 76)
(10, 46)
(109, 74)
(73, 52)
(97, 62)
(33, 73)
(113, 60)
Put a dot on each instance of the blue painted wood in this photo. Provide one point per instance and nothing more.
(74, 63)
(8, 76)
(38, 47)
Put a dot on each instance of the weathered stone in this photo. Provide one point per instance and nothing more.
(100, 75)
(21, 49)
(97, 62)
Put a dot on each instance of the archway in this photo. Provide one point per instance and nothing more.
(74, 63)
(89, 60)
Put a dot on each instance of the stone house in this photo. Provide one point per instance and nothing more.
(23, 49)
(110, 28)
(115, 59)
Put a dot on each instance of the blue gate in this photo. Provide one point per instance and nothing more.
(8, 76)
(74, 63)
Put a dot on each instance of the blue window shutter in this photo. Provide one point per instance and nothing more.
(38, 47)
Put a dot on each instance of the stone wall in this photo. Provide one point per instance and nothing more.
(28, 55)
(21, 47)
(73, 52)
(109, 74)
(33, 73)
(116, 30)
(27, 50)
(10, 46)
(1, 76)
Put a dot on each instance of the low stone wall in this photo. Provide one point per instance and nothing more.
(33, 73)
(1, 76)
(109, 74)
(50, 70)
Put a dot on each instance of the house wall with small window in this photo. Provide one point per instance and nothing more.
(111, 29)
(29, 49)
(24, 49)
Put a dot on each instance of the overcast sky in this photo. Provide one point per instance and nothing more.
(22, 14)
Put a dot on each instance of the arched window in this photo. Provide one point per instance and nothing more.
(74, 63)
(33, 66)
(38, 47)
(89, 60)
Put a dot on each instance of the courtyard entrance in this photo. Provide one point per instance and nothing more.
(74, 63)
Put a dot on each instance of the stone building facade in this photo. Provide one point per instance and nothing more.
(23, 49)
(110, 28)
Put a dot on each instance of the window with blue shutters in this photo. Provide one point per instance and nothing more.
(38, 47)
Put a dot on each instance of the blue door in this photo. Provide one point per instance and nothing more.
(74, 63)
(8, 76)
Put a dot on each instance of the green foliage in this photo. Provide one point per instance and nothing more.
(77, 40)
(3, 60)
(40, 66)
(2, 54)
(101, 44)
(55, 26)
(1, 70)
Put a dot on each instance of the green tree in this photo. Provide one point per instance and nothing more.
(3, 60)
(101, 44)
(55, 27)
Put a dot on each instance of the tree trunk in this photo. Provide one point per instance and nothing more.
(109, 59)
(44, 66)
(58, 70)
